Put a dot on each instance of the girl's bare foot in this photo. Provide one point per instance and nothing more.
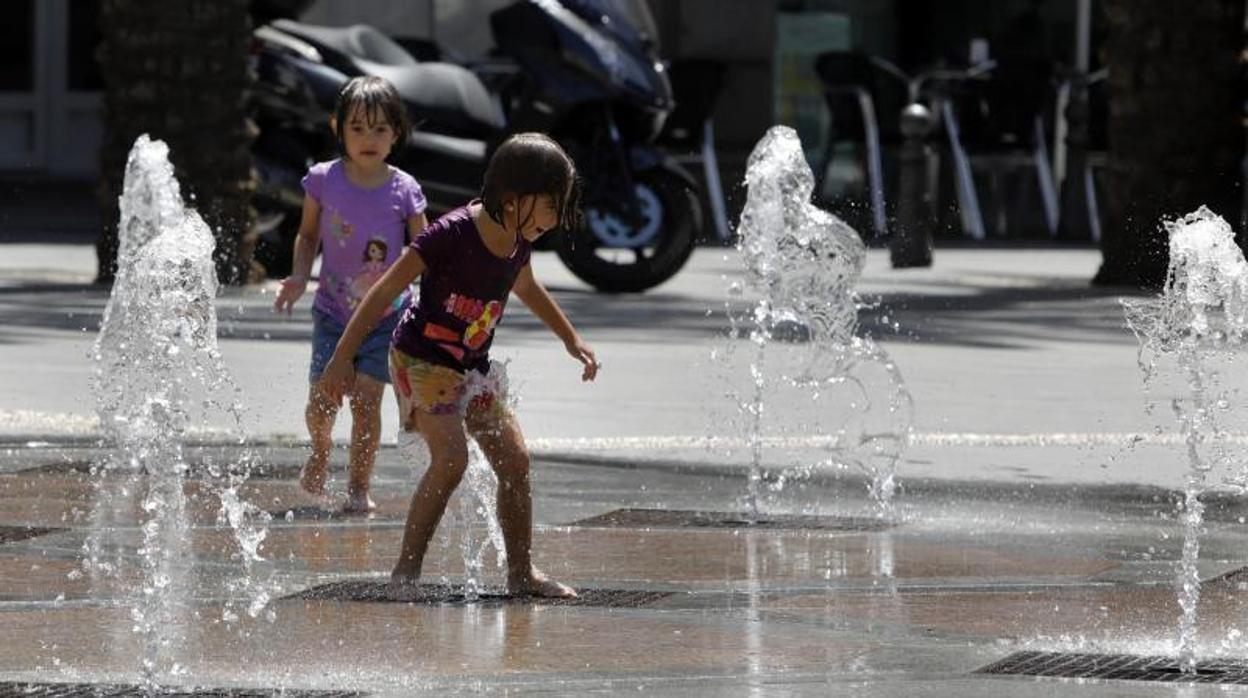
(358, 504)
(313, 475)
(404, 588)
(538, 584)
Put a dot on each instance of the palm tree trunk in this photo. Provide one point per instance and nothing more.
(1176, 138)
(178, 71)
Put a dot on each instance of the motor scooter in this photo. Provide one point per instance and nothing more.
(584, 71)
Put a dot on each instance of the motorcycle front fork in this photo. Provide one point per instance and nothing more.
(615, 185)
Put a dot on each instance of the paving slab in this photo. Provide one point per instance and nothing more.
(1036, 510)
(913, 607)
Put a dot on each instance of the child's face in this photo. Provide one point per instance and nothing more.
(368, 142)
(376, 253)
(543, 218)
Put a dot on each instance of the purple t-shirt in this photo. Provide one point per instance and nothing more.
(363, 231)
(463, 293)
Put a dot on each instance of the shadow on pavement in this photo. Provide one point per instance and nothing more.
(1018, 316)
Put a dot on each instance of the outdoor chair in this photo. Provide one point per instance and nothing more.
(689, 132)
(850, 93)
(1003, 128)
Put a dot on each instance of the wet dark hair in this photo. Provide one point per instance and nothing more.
(532, 164)
(375, 97)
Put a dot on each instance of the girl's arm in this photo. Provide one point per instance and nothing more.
(338, 373)
(415, 224)
(306, 242)
(538, 300)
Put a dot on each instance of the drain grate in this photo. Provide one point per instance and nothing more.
(12, 534)
(1119, 667)
(67, 467)
(683, 518)
(1235, 577)
(306, 513)
(96, 690)
(195, 470)
(453, 595)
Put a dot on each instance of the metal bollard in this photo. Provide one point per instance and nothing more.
(911, 244)
(1078, 218)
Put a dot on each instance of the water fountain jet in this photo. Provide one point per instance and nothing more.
(804, 264)
(158, 369)
(1200, 317)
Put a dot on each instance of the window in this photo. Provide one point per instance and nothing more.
(17, 47)
(84, 39)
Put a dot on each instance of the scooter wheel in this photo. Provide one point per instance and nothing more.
(616, 257)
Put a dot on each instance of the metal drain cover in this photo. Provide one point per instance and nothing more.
(1235, 577)
(195, 470)
(68, 467)
(96, 690)
(306, 513)
(453, 594)
(1118, 667)
(12, 534)
(684, 518)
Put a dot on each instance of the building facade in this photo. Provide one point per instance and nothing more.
(50, 87)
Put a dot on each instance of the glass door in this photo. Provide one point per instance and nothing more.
(74, 101)
(22, 80)
(50, 102)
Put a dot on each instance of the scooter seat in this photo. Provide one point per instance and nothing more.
(356, 41)
(445, 94)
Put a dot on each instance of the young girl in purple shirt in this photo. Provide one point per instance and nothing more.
(360, 212)
(469, 261)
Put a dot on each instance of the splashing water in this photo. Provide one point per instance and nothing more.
(1199, 320)
(474, 508)
(158, 367)
(804, 260)
(476, 511)
(804, 264)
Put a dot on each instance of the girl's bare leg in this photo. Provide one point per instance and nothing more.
(365, 436)
(498, 434)
(448, 451)
(319, 415)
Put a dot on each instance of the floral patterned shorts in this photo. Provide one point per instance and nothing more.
(435, 389)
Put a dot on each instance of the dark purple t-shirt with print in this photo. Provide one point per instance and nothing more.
(463, 293)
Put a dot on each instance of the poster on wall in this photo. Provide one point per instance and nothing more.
(800, 37)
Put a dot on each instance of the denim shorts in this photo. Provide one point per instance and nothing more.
(373, 357)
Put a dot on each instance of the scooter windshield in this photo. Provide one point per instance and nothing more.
(629, 21)
(592, 39)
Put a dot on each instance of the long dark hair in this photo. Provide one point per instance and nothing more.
(374, 96)
(532, 164)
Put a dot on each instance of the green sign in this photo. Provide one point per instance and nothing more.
(800, 37)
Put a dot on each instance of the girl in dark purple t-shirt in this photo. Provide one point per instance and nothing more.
(469, 261)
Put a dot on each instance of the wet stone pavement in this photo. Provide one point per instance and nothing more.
(940, 598)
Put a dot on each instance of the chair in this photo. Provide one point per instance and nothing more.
(849, 89)
(689, 131)
(1083, 99)
(1003, 129)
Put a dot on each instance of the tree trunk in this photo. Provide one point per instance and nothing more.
(178, 72)
(1176, 139)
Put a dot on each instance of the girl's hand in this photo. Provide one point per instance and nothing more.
(581, 352)
(292, 288)
(337, 379)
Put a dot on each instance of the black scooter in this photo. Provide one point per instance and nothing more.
(582, 70)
